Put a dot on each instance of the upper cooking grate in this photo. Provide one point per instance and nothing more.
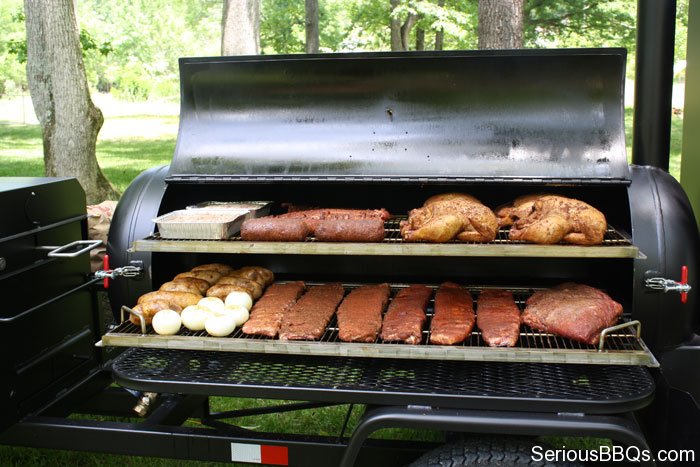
(615, 245)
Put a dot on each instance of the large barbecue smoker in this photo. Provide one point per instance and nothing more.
(381, 130)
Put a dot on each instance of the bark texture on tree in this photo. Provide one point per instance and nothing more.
(420, 39)
(500, 24)
(395, 26)
(406, 31)
(58, 86)
(240, 27)
(312, 42)
(440, 34)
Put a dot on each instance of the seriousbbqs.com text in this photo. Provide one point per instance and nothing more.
(611, 454)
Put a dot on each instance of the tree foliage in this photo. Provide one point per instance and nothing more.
(131, 47)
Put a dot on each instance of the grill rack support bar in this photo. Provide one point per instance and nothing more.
(630, 324)
(621, 428)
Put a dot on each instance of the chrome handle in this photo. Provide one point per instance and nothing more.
(124, 271)
(57, 252)
(666, 285)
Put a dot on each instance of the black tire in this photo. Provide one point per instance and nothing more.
(491, 451)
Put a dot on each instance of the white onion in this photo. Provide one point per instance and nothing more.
(220, 325)
(166, 322)
(239, 298)
(240, 313)
(194, 317)
(211, 303)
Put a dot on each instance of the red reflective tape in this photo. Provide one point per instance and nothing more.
(274, 455)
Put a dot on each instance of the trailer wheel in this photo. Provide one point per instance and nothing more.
(491, 451)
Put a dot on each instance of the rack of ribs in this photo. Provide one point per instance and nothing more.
(498, 317)
(454, 315)
(308, 318)
(405, 317)
(360, 314)
(266, 315)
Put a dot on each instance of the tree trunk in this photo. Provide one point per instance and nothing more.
(395, 25)
(500, 24)
(440, 34)
(420, 39)
(240, 27)
(61, 97)
(406, 31)
(312, 26)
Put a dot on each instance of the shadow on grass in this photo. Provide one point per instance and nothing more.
(20, 137)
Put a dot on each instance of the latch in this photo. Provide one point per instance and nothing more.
(134, 270)
(669, 285)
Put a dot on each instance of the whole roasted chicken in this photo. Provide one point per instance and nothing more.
(549, 219)
(450, 216)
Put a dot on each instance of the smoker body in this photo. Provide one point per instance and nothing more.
(390, 130)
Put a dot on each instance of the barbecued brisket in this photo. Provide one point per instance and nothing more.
(454, 315)
(406, 315)
(498, 317)
(360, 314)
(267, 313)
(576, 311)
(308, 318)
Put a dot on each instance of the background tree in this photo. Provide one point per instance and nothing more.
(240, 27)
(395, 27)
(61, 98)
(312, 26)
(500, 24)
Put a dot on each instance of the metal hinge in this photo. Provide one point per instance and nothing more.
(132, 271)
(655, 282)
(125, 271)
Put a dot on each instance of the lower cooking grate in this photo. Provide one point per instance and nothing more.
(522, 386)
(622, 347)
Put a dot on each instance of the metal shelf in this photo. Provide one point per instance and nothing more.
(615, 245)
(500, 386)
(620, 347)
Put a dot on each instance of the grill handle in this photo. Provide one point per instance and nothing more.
(655, 282)
(125, 310)
(604, 333)
(59, 251)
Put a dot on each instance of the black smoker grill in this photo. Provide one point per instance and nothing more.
(390, 130)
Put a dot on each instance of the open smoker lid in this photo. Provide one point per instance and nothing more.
(525, 114)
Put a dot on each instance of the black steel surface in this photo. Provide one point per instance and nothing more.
(664, 228)
(198, 444)
(48, 325)
(653, 85)
(460, 114)
(133, 219)
(506, 386)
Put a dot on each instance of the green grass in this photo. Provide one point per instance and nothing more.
(21, 154)
(674, 166)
